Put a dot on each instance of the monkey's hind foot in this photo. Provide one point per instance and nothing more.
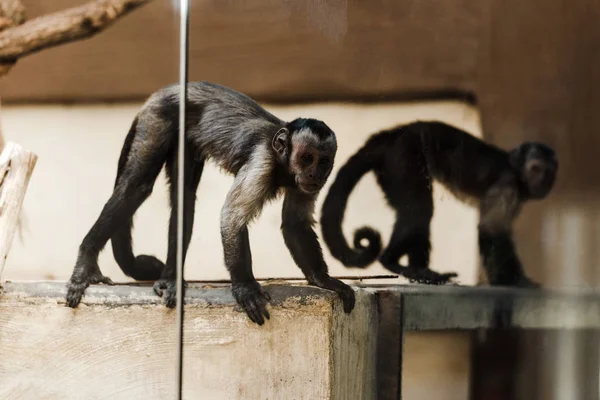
(423, 275)
(526, 283)
(76, 288)
(344, 291)
(167, 289)
(253, 299)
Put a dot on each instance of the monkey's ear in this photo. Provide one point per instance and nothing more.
(280, 141)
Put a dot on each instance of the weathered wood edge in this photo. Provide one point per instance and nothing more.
(128, 295)
(425, 307)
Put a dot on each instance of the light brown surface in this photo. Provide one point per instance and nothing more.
(437, 366)
(319, 49)
(309, 349)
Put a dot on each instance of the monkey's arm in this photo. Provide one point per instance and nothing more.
(244, 202)
(499, 208)
(302, 242)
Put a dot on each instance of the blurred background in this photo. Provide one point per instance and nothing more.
(506, 71)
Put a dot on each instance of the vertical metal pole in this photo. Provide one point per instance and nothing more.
(183, 77)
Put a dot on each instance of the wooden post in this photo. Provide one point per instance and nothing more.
(16, 167)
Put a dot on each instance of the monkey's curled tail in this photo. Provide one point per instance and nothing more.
(142, 267)
(332, 214)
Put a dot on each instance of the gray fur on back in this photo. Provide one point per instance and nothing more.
(223, 124)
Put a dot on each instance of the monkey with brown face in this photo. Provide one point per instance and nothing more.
(266, 155)
(406, 160)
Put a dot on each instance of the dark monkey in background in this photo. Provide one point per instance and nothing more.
(406, 160)
(266, 155)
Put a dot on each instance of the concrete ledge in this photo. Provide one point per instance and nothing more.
(466, 308)
(120, 343)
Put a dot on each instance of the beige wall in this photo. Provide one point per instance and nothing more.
(78, 148)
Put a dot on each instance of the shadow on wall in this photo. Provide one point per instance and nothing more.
(78, 148)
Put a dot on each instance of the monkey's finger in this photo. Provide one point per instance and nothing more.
(106, 280)
(253, 312)
(261, 304)
(158, 289)
(261, 307)
(265, 312)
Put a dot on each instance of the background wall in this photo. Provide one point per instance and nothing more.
(78, 148)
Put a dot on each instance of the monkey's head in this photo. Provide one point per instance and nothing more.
(537, 165)
(306, 148)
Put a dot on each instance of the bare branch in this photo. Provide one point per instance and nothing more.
(65, 26)
(13, 10)
(5, 67)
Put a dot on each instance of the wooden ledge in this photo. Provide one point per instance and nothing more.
(424, 307)
(120, 343)
(131, 294)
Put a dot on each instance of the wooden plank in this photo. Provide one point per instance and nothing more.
(120, 344)
(16, 167)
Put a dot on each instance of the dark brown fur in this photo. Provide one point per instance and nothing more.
(266, 155)
(406, 160)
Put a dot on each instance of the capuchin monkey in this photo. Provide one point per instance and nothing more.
(266, 155)
(406, 160)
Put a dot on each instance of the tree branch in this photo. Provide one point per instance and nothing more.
(13, 11)
(61, 27)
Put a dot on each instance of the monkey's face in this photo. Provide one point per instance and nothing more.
(307, 147)
(539, 166)
(310, 164)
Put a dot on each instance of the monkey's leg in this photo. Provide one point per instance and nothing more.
(500, 260)
(413, 241)
(498, 209)
(251, 188)
(166, 286)
(125, 200)
(246, 290)
(303, 244)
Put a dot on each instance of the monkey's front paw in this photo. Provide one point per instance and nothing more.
(75, 289)
(167, 289)
(75, 293)
(344, 291)
(348, 299)
(253, 299)
(527, 283)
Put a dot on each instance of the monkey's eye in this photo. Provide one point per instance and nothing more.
(307, 158)
(324, 160)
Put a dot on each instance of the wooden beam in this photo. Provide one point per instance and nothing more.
(120, 344)
(16, 167)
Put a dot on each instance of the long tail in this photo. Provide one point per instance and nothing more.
(143, 267)
(334, 206)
